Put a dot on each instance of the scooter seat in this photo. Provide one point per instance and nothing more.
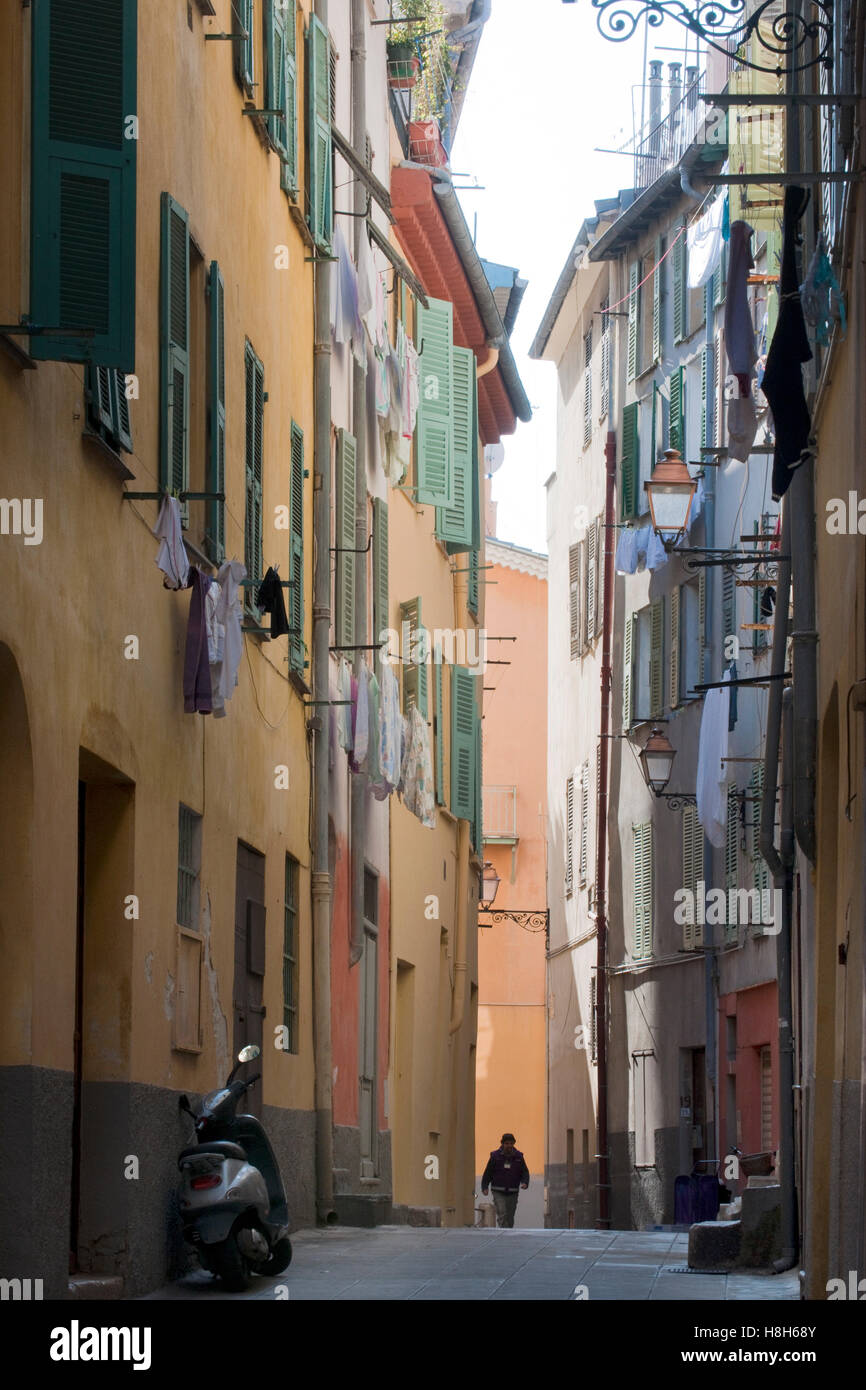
(216, 1146)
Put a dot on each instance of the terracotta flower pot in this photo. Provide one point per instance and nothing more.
(425, 144)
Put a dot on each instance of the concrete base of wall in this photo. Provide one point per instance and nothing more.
(577, 1210)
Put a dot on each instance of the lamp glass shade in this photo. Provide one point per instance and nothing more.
(490, 882)
(670, 491)
(657, 761)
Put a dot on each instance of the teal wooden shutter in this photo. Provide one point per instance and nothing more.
(414, 644)
(477, 831)
(464, 740)
(276, 24)
(435, 420)
(633, 277)
(679, 272)
(255, 397)
(107, 406)
(243, 23)
(702, 624)
(732, 858)
(629, 466)
(454, 524)
(124, 428)
(439, 727)
(674, 661)
(215, 539)
(296, 552)
(654, 441)
(345, 566)
(676, 433)
(380, 572)
(643, 890)
(657, 628)
(657, 300)
(472, 586)
(289, 169)
(321, 214)
(83, 181)
(174, 348)
(628, 670)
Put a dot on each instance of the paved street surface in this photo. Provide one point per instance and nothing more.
(398, 1262)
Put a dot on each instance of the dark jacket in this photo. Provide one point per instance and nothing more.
(502, 1178)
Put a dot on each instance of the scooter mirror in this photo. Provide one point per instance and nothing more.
(248, 1053)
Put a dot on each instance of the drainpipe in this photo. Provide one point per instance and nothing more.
(358, 791)
(788, 1257)
(774, 703)
(603, 1221)
(320, 724)
(458, 997)
(804, 659)
(655, 111)
(711, 962)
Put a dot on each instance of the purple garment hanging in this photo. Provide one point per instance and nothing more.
(197, 695)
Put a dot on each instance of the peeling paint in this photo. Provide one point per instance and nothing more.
(168, 996)
(148, 967)
(218, 1018)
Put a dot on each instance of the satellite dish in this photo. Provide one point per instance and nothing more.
(494, 457)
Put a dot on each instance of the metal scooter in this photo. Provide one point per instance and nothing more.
(232, 1199)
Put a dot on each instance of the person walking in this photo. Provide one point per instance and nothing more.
(505, 1174)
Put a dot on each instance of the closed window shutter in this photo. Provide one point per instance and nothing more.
(464, 741)
(477, 833)
(434, 422)
(472, 586)
(574, 599)
(680, 302)
(591, 580)
(124, 428)
(693, 866)
(657, 628)
(674, 664)
(702, 624)
(704, 386)
(415, 645)
(728, 608)
(281, 87)
(569, 835)
(215, 535)
(628, 670)
(243, 22)
(718, 392)
(83, 181)
(255, 397)
(454, 523)
(345, 566)
(643, 890)
(174, 348)
(732, 859)
(676, 433)
(296, 544)
(633, 325)
(654, 428)
(760, 868)
(587, 388)
(657, 300)
(605, 360)
(380, 574)
(320, 160)
(439, 729)
(629, 467)
(584, 823)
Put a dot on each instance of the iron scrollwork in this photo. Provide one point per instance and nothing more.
(531, 920)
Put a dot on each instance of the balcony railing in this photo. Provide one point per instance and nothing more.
(668, 139)
(499, 815)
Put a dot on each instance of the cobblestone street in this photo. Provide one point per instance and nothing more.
(401, 1263)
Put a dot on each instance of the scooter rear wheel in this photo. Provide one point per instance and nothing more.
(280, 1259)
(231, 1266)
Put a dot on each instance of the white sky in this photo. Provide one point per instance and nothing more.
(546, 88)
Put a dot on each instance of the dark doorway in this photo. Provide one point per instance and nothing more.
(249, 1011)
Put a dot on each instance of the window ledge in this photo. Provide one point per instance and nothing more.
(21, 358)
(110, 456)
(299, 683)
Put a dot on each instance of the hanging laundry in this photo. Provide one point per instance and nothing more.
(171, 556)
(626, 551)
(821, 297)
(705, 242)
(216, 635)
(711, 776)
(390, 728)
(374, 771)
(196, 668)
(740, 342)
(783, 378)
(642, 540)
(269, 597)
(417, 772)
(345, 318)
(697, 503)
(367, 278)
(344, 709)
(358, 759)
(656, 555)
(742, 426)
(732, 707)
(229, 613)
(411, 389)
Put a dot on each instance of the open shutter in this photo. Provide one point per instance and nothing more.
(632, 319)
(174, 348)
(587, 388)
(628, 671)
(415, 648)
(705, 352)
(435, 423)
(296, 553)
(454, 524)
(574, 591)
(605, 360)
(345, 566)
(584, 824)
(732, 857)
(629, 466)
(728, 606)
(643, 890)
(243, 24)
(688, 879)
(654, 428)
(464, 739)
(215, 535)
(255, 420)
(657, 301)
(380, 574)
(702, 624)
(657, 619)
(569, 835)
(477, 832)
(289, 169)
(278, 18)
(320, 161)
(676, 433)
(680, 304)
(439, 729)
(674, 662)
(99, 385)
(590, 581)
(83, 181)
(124, 428)
(720, 279)
(760, 868)
(472, 586)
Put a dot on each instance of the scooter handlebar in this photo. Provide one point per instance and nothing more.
(253, 1079)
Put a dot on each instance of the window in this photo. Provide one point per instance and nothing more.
(587, 387)
(215, 539)
(255, 421)
(438, 726)
(472, 584)
(415, 646)
(290, 954)
(243, 26)
(634, 306)
(83, 181)
(575, 590)
(186, 1025)
(648, 662)
(760, 869)
(584, 825)
(296, 553)
(689, 304)
(646, 313)
(643, 891)
(658, 299)
(644, 1136)
(593, 1020)
(319, 152)
(677, 426)
(690, 640)
(693, 873)
(188, 867)
(281, 87)
(629, 463)
(174, 348)
(108, 407)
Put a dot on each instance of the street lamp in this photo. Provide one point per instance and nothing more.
(657, 761)
(490, 882)
(670, 491)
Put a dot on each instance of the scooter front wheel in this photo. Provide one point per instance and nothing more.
(280, 1258)
(230, 1265)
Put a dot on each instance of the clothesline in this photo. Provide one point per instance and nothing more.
(650, 273)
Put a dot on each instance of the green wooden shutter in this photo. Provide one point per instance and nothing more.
(83, 181)
(477, 831)
(702, 624)
(414, 643)
(728, 606)
(657, 628)
(630, 465)
(243, 20)
(289, 170)
(674, 663)
(174, 348)
(296, 552)
(434, 428)
(216, 480)
(628, 670)
(760, 869)
(454, 524)
(643, 890)
(321, 214)
(633, 277)
(380, 573)
(276, 23)
(255, 407)
(676, 433)
(107, 406)
(679, 272)
(472, 586)
(346, 542)
(720, 280)
(732, 858)
(464, 742)
(657, 300)
(124, 427)
(439, 726)
(569, 836)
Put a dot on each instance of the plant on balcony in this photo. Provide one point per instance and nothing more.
(435, 78)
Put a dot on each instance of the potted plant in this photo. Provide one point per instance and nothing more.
(418, 50)
(404, 65)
